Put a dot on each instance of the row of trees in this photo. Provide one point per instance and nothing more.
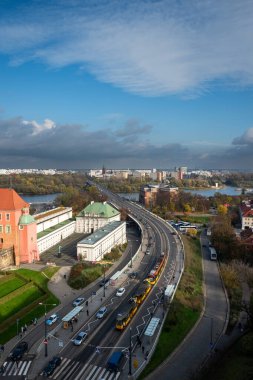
(43, 184)
(226, 243)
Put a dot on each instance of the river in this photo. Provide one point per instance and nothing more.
(49, 198)
(227, 190)
(46, 198)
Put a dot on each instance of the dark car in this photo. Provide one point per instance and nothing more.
(18, 352)
(49, 369)
(104, 283)
(133, 275)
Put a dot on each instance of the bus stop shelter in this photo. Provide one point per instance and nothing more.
(71, 316)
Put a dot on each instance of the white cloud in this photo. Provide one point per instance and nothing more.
(245, 139)
(145, 47)
(38, 128)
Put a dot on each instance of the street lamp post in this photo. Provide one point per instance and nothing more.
(131, 252)
(130, 352)
(104, 280)
(211, 333)
(17, 327)
(45, 320)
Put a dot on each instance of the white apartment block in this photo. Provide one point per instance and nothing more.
(94, 247)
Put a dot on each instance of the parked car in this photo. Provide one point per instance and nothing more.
(105, 282)
(49, 369)
(81, 336)
(78, 301)
(101, 312)
(51, 320)
(18, 351)
(120, 292)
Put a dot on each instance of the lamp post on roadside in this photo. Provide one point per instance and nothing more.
(17, 327)
(45, 320)
(104, 279)
(130, 352)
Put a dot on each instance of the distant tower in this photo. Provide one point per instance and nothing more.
(103, 170)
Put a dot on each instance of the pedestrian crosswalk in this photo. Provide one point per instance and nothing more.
(13, 368)
(70, 369)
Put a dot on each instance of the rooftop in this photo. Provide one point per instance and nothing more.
(102, 210)
(100, 233)
(10, 200)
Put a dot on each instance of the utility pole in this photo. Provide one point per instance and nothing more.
(130, 352)
(45, 321)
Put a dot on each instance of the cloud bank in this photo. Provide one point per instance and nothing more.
(145, 47)
(43, 145)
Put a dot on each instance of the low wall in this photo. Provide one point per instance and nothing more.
(7, 258)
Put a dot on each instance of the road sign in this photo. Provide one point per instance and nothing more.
(45, 341)
(135, 363)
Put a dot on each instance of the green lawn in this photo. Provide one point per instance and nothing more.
(24, 305)
(20, 301)
(10, 285)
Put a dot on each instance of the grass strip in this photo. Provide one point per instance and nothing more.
(185, 308)
(11, 326)
(10, 285)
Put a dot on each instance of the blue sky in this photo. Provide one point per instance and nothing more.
(126, 84)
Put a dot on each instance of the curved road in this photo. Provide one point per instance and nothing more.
(198, 345)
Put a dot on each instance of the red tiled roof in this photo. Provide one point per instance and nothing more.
(10, 200)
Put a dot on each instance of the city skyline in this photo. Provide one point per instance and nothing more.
(126, 84)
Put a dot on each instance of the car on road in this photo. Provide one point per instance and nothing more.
(18, 351)
(104, 282)
(120, 292)
(51, 320)
(133, 275)
(81, 336)
(78, 301)
(101, 312)
(49, 369)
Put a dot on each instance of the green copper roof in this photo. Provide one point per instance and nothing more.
(102, 210)
(26, 219)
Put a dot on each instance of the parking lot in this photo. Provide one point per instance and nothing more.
(67, 254)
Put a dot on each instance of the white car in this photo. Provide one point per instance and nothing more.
(80, 338)
(101, 312)
(120, 292)
(78, 301)
(51, 320)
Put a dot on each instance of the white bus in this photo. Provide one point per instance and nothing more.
(186, 228)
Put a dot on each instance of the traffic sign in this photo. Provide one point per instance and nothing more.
(45, 341)
(135, 363)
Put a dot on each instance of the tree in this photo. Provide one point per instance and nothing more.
(222, 210)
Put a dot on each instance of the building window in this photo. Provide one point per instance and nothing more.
(21, 227)
(1, 228)
(7, 216)
(8, 229)
(0, 216)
